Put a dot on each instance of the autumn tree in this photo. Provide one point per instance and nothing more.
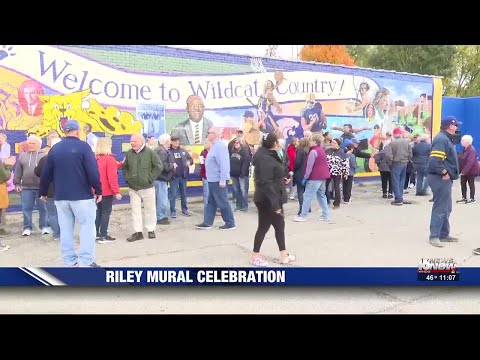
(332, 54)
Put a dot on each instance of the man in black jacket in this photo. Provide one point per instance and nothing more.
(161, 184)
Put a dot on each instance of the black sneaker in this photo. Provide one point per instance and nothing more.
(203, 226)
(227, 227)
(397, 203)
(151, 235)
(462, 201)
(163, 221)
(384, 196)
(135, 237)
(94, 265)
(476, 251)
(471, 201)
(106, 239)
(390, 196)
(98, 237)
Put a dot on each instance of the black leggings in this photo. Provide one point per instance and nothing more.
(471, 184)
(267, 218)
(386, 182)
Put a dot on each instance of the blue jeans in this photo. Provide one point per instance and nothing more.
(178, 186)
(442, 206)
(240, 186)
(315, 187)
(218, 199)
(205, 193)
(161, 198)
(398, 173)
(53, 218)
(83, 212)
(28, 198)
(422, 183)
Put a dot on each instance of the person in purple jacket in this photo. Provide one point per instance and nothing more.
(315, 180)
(469, 169)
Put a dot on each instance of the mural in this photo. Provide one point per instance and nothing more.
(42, 87)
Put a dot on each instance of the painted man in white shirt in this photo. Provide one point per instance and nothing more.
(194, 130)
(91, 139)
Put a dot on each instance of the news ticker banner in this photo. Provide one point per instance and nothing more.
(287, 276)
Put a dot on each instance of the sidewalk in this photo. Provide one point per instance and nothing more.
(369, 232)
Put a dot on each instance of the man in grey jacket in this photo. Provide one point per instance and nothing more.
(399, 153)
(27, 184)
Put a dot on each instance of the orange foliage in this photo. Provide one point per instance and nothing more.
(332, 54)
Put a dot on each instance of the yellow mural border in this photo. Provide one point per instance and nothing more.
(437, 105)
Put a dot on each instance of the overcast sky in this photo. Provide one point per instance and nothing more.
(283, 51)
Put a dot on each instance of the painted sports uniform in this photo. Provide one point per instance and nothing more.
(264, 108)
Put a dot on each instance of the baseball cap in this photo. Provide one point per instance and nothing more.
(397, 131)
(450, 120)
(248, 113)
(71, 125)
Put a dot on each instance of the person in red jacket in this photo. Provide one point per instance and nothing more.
(292, 153)
(107, 167)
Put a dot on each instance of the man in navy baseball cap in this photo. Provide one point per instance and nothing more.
(71, 125)
(450, 120)
(442, 170)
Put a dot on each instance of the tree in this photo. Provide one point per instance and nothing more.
(271, 51)
(466, 78)
(333, 54)
(422, 59)
(360, 53)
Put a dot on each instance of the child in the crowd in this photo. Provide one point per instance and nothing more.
(348, 181)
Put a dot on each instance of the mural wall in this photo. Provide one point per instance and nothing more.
(120, 90)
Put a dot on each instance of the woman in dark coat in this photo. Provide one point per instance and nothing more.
(469, 169)
(299, 169)
(269, 197)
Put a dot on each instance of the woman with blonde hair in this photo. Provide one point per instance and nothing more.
(107, 167)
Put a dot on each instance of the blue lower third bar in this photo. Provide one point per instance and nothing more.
(287, 276)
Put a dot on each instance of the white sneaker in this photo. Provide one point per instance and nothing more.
(45, 231)
(299, 219)
(411, 186)
(4, 247)
(26, 232)
(290, 258)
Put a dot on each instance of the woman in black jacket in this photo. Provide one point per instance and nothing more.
(269, 197)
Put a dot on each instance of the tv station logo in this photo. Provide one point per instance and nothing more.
(437, 269)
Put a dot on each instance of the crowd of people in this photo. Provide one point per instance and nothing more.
(73, 181)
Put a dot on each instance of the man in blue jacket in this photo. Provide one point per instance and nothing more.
(442, 169)
(71, 165)
(217, 168)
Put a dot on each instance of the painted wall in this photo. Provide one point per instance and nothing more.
(121, 90)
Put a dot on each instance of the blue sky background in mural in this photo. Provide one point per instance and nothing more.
(152, 117)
